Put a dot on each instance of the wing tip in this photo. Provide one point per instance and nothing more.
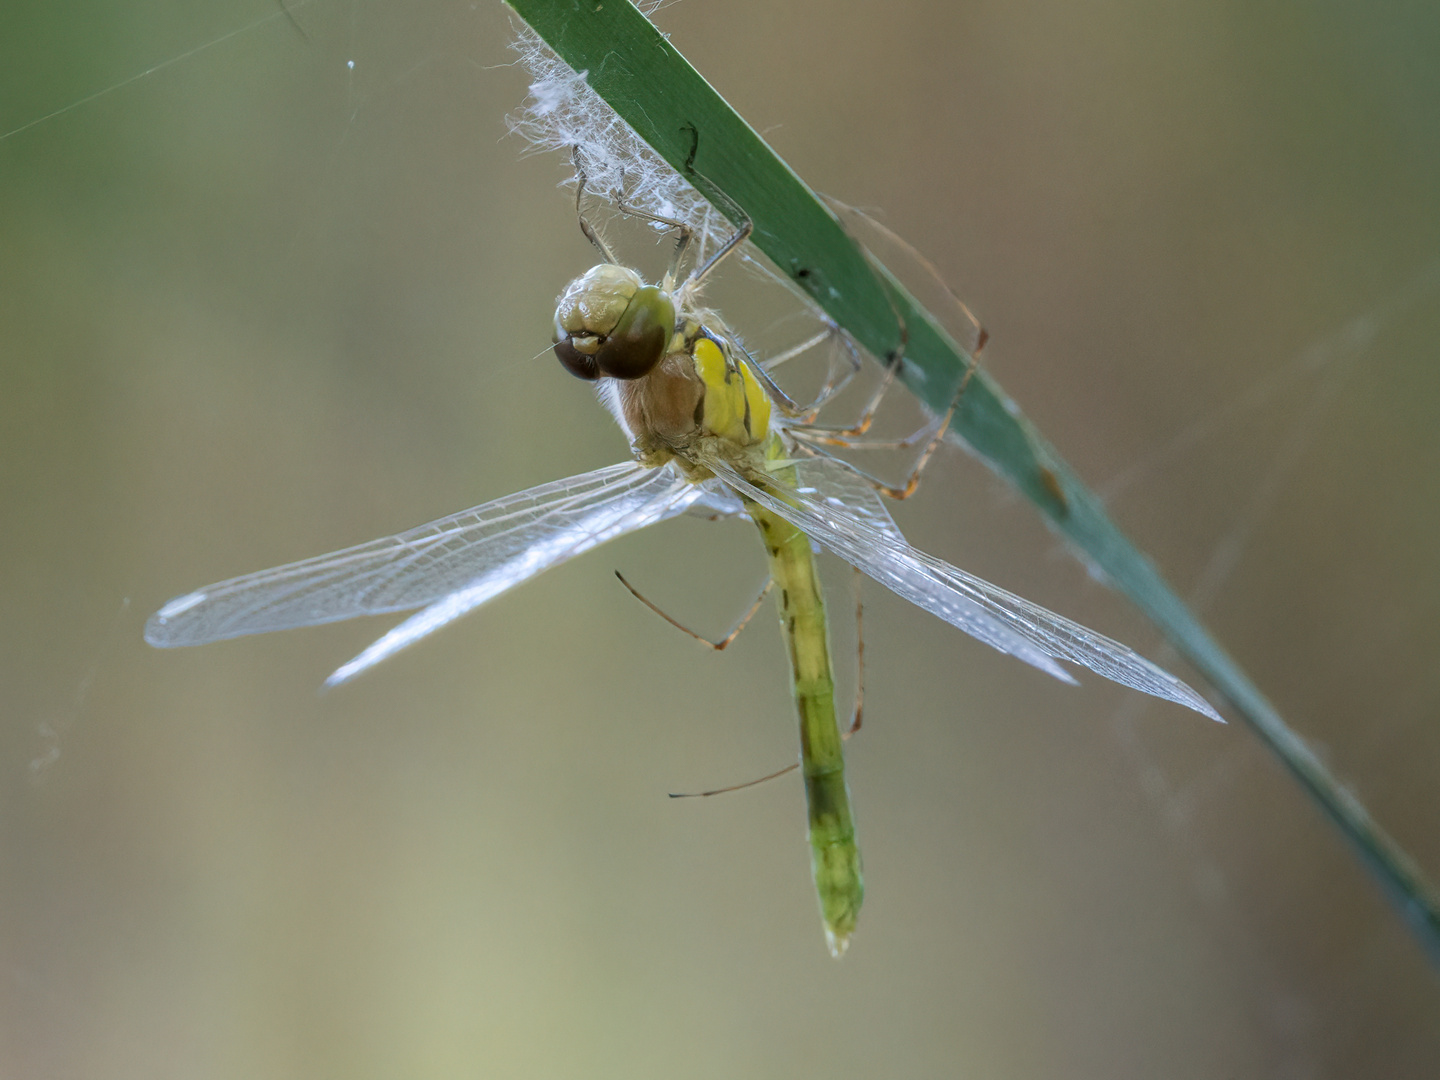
(158, 629)
(1182, 693)
(1056, 670)
(343, 674)
(1204, 708)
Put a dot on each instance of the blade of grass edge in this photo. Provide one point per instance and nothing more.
(670, 105)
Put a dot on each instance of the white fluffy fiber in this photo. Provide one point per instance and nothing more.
(564, 113)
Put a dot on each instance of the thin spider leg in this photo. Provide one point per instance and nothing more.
(772, 362)
(908, 488)
(811, 438)
(585, 226)
(892, 366)
(735, 787)
(851, 730)
(823, 436)
(723, 643)
(832, 385)
(859, 659)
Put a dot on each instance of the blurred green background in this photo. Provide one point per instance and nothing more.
(286, 292)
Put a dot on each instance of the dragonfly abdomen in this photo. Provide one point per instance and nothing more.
(834, 855)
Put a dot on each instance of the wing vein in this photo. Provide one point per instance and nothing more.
(843, 513)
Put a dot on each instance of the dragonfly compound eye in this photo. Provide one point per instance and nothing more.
(576, 362)
(609, 322)
(640, 338)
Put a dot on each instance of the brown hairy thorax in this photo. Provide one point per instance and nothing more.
(663, 408)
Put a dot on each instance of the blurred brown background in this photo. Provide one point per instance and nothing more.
(260, 303)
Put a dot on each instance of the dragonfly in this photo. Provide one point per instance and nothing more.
(710, 432)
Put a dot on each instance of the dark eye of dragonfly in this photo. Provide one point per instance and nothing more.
(633, 348)
(638, 342)
(576, 362)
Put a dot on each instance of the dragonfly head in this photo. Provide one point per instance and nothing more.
(609, 322)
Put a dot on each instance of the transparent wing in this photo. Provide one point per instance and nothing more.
(715, 500)
(550, 543)
(840, 510)
(459, 561)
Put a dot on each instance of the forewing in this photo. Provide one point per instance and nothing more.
(830, 506)
(621, 514)
(482, 551)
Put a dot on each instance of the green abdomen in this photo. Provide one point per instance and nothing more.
(834, 856)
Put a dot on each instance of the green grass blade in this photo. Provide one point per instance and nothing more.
(653, 88)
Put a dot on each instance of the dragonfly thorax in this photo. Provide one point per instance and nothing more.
(608, 322)
(697, 394)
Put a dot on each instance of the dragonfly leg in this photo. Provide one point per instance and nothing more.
(905, 490)
(819, 436)
(967, 330)
(783, 403)
(772, 362)
(718, 646)
(813, 438)
(585, 226)
(682, 245)
(846, 436)
(806, 414)
(728, 206)
(744, 226)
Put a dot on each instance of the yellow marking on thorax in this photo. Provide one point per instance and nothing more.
(735, 406)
